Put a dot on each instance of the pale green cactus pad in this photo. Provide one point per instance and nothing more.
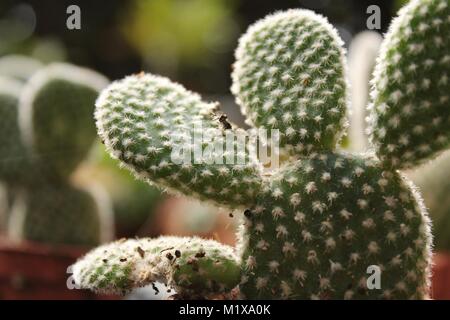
(142, 118)
(189, 265)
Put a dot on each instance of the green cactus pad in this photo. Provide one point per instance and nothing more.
(189, 265)
(55, 117)
(56, 214)
(290, 75)
(410, 113)
(143, 118)
(328, 218)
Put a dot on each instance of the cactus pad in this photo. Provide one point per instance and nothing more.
(189, 265)
(410, 112)
(136, 118)
(289, 70)
(324, 221)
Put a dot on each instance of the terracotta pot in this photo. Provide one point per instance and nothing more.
(37, 271)
(441, 276)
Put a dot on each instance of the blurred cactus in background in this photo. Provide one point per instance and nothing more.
(342, 199)
(46, 131)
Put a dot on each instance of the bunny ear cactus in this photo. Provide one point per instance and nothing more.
(314, 226)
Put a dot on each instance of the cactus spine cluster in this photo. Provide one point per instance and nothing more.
(313, 226)
(46, 130)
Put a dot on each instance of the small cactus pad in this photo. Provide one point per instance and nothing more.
(289, 75)
(410, 112)
(55, 116)
(58, 214)
(191, 266)
(143, 118)
(328, 218)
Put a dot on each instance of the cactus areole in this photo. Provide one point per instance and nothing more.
(313, 226)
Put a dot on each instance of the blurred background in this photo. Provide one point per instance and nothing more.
(192, 42)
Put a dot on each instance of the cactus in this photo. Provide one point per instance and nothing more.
(313, 226)
(47, 130)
